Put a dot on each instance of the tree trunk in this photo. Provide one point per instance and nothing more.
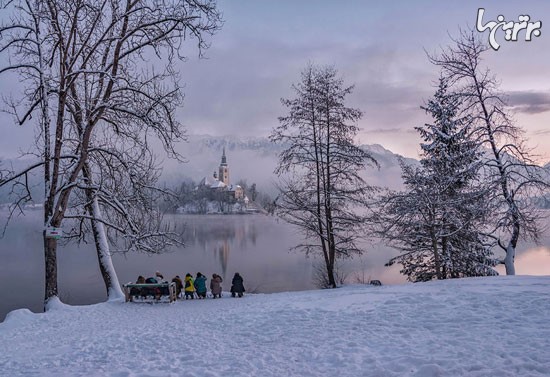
(318, 173)
(50, 245)
(511, 250)
(50, 258)
(437, 262)
(112, 285)
(509, 259)
(327, 188)
(330, 268)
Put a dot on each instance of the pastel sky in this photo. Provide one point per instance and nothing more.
(380, 46)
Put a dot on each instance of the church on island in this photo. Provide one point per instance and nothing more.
(219, 182)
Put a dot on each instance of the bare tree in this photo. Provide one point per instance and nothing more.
(515, 176)
(88, 65)
(322, 192)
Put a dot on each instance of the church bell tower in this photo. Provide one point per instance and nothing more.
(224, 169)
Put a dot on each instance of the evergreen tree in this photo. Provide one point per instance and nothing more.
(438, 221)
(512, 173)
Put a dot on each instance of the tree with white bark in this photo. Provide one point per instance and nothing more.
(92, 66)
(516, 178)
(322, 191)
(117, 202)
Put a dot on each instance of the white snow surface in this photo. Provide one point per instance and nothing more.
(498, 326)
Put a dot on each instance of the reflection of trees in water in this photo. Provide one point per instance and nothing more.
(221, 234)
(223, 253)
(253, 234)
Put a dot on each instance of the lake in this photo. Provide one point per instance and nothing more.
(257, 246)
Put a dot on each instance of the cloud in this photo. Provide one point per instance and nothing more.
(529, 102)
(385, 130)
(390, 131)
(541, 132)
(262, 48)
(238, 91)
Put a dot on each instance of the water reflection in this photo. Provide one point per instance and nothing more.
(254, 245)
(223, 253)
(220, 234)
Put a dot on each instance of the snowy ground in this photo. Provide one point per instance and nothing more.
(469, 327)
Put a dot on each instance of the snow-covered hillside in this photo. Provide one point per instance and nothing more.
(468, 327)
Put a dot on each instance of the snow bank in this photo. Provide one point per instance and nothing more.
(469, 327)
(17, 318)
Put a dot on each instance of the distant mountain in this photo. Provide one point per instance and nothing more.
(252, 159)
(255, 159)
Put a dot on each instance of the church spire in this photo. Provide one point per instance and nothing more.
(224, 159)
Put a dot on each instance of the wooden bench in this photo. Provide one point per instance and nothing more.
(155, 290)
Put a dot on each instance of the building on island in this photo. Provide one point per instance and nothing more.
(220, 182)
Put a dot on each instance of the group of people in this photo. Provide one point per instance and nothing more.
(189, 286)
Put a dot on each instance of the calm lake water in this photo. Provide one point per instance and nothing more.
(257, 246)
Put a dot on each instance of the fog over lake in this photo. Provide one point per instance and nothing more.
(257, 246)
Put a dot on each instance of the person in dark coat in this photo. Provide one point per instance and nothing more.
(179, 285)
(152, 291)
(135, 291)
(237, 286)
(151, 280)
(216, 285)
